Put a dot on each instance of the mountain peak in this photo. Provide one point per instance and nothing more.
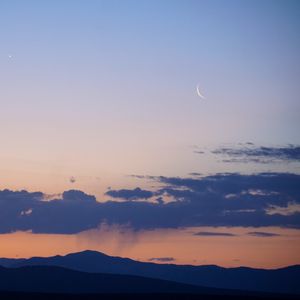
(284, 280)
(87, 252)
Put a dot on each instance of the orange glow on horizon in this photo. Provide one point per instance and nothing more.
(181, 244)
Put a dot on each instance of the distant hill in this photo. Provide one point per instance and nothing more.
(51, 279)
(285, 280)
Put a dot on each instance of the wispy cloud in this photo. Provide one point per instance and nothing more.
(262, 234)
(212, 233)
(290, 209)
(72, 179)
(258, 154)
(162, 259)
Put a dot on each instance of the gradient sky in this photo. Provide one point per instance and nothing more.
(100, 90)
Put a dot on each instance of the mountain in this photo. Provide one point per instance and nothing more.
(284, 280)
(50, 282)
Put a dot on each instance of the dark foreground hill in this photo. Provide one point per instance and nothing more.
(48, 282)
(285, 280)
(50, 279)
(135, 296)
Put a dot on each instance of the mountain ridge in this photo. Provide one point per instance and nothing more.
(282, 280)
(53, 279)
(2, 259)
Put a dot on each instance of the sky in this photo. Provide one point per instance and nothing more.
(99, 98)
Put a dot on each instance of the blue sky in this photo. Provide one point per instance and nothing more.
(108, 88)
(94, 93)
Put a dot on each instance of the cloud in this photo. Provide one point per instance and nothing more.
(22, 210)
(195, 174)
(75, 196)
(270, 185)
(207, 233)
(251, 153)
(290, 209)
(229, 199)
(162, 259)
(199, 152)
(262, 234)
(26, 212)
(119, 237)
(127, 194)
(72, 179)
(159, 200)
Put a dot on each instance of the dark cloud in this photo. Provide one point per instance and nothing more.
(208, 233)
(159, 200)
(195, 174)
(250, 153)
(199, 152)
(134, 194)
(162, 259)
(229, 199)
(264, 187)
(263, 234)
(72, 179)
(71, 213)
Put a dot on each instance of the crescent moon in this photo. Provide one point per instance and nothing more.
(199, 93)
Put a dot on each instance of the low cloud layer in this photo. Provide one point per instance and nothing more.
(162, 259)
(208, 233)
(219, 200)
(263, 234)
(126, 194)
(249, 153)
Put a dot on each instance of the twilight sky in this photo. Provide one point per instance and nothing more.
(99, 97)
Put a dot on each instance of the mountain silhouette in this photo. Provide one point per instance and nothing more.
(284, 280)
(51, 279)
